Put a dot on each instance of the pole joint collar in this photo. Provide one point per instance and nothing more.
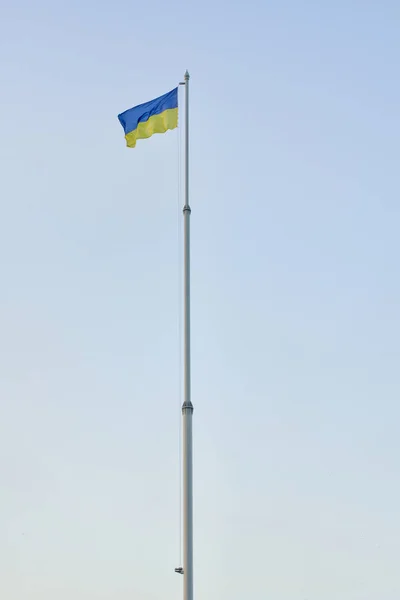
(187, 406)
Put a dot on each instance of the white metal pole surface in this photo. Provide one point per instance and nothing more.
(187, 407)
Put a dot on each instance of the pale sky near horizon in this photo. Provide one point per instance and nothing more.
(296, 322)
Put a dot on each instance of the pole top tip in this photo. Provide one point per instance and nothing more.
(187, 76)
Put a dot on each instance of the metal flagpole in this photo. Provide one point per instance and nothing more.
(187, 407)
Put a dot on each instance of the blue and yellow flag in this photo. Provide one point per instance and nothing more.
(156, 116)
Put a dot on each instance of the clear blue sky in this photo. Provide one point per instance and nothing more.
(296, 323)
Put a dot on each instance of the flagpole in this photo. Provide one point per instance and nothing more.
(187, 407)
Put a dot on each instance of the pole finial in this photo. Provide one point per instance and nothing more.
(187, 76)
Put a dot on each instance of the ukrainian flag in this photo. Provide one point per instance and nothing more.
(156, 116)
